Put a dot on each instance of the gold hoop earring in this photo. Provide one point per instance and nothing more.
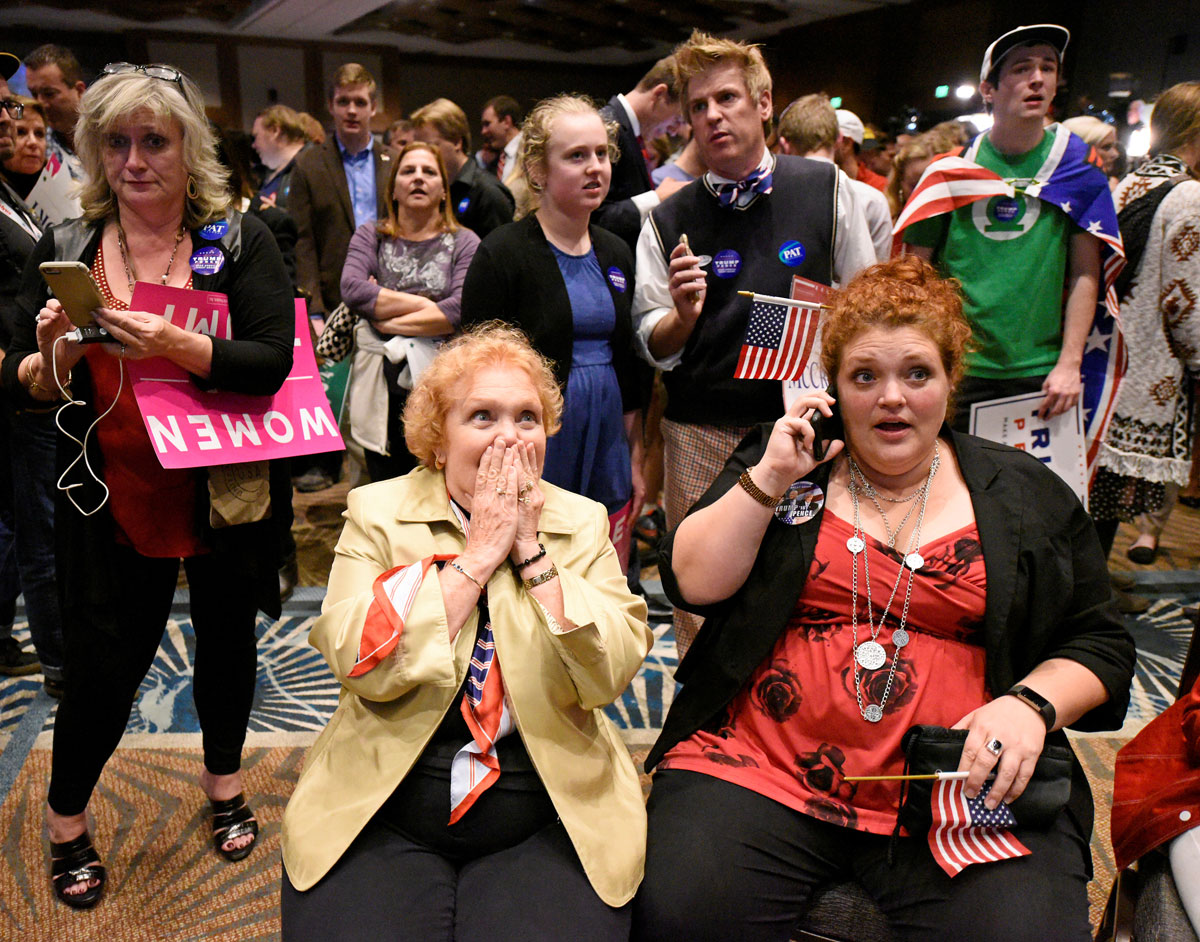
(193, 188)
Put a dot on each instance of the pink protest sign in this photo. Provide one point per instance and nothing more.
(190, 427)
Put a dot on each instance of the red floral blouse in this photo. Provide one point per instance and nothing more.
(794, 731)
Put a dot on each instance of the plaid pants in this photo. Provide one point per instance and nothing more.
(693, 457)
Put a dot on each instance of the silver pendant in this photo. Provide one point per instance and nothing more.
(914, 561)
(873, 713)
(899, 637)
(855, 545)
(870, 655)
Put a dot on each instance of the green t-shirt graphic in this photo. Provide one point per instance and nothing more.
(1011, 256)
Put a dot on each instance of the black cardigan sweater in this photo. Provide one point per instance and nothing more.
(1048, 594)
(514, 277)
(262, 312)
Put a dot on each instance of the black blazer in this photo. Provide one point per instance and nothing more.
(1048, 593)
(630, 177)
(319, 201)
(514, 278)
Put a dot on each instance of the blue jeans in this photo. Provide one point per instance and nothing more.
(32, 446)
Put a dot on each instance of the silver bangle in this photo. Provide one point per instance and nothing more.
(454, 565)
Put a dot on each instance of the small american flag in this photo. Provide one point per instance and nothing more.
(779, 341)
(964, 832)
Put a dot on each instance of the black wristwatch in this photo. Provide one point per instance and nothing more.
(1035, 700)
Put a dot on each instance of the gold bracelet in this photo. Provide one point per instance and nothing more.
(757, 492)
(551, 573)
(35, 387)
(454, 565)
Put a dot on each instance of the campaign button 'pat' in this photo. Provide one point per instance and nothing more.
(791, 253)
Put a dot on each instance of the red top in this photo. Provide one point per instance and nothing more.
(794, 731)
(154, 509)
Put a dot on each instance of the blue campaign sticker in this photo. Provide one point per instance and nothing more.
(207, 261)
(617, 278)
(726, 263)
(463, 204)
(214, 230)
(791, 253)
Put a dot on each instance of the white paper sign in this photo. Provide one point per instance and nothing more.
(1056, 442)
(53, 198)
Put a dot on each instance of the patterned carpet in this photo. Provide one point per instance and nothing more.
(152, 825)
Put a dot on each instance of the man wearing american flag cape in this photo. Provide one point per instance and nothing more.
(1019, 215)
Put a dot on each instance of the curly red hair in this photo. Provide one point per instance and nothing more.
(901, 292)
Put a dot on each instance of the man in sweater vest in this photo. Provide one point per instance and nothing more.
(760, 220)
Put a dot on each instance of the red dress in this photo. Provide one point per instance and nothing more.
(154, 508)
(794, 731)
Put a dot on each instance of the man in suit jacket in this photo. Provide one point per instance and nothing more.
(337, 187)
(640, 115)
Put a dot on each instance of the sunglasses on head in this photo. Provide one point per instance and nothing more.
(154, 70)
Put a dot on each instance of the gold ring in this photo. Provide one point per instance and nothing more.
(523, 500)
(526, 487)
(501, 491)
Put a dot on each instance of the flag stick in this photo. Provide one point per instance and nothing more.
(811, 305)
(947, 776)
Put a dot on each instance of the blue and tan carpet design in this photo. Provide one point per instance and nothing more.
(152, 825)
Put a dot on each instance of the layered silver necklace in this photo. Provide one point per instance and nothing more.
(870, 655)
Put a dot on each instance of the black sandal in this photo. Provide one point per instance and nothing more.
(232, 818)
(74, 862)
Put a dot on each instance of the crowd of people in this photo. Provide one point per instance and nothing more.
(542, 340)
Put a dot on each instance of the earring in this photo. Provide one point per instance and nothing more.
(193, 188)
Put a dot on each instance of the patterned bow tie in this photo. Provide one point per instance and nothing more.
(757, 182)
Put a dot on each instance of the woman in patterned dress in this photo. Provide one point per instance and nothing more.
(942, 580)
(1147, 450)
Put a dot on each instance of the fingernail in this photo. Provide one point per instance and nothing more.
(972, 793)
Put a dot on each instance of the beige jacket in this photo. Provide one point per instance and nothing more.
(557, 684)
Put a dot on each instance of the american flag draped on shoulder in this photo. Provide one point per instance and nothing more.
(1072, 182)
(964, 832)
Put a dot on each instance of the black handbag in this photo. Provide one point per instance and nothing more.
(929, 749)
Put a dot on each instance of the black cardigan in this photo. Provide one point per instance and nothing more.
(1048, 593)
(262, 312)
(514, 277)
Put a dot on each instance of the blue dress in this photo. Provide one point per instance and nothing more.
(590, 454)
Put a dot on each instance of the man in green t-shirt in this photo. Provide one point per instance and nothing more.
(1014, 255)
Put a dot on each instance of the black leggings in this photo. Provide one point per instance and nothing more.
(724, 862)
(103, 671)
(506, 871)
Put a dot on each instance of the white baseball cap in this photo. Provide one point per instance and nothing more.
(1049, 33)
(850, 125)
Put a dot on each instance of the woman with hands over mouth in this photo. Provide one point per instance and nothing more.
(569, 285)
(469, 784)
(156, 209)
(911, 576)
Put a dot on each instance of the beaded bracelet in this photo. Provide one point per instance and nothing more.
(532, 559)
(757, 492)
(454, 565)
(551, 573)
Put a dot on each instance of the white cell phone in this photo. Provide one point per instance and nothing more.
(71, 283)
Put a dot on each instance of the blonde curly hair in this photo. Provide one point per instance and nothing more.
(492, 343)
(539, 125)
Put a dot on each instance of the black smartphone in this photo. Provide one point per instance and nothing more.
(827, 429)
